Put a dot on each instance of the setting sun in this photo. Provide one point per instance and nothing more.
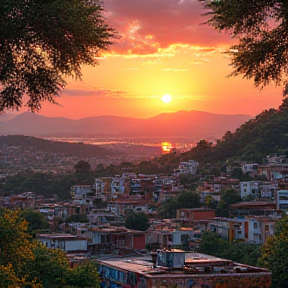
(166, 98)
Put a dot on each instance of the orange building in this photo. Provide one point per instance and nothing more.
(190, 217)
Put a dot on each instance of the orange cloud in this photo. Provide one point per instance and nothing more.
(150, 25)
(93, 92)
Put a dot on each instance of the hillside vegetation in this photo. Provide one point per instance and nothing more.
(264, 134)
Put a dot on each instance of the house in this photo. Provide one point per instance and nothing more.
(168, 191)
(183, 237)
(103, 239)
(103, 188)
(102, 217)
(268, 190)
(253, 208)
(253, 229)
(124, 207)
(19, 201)
(76, 209)
(273, 172)
(66, 242)
(276, 159)
(250, 169)
(135, 188)
(176, 268)
(249, 188)
(191, 217)
(260, 228)
(221, 226)
(158, 238)
(189, 167)
(117, 186)
(83, 194)
(165, 188)
(282, 199)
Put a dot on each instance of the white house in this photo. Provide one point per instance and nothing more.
(249, 188)
(66, 242)
(282, 199)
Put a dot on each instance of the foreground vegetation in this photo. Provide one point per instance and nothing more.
(241, 252)
(25, 263)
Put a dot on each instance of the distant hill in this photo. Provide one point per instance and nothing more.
(192, 124)
(265, 134)
(4, 116)
(78, 150)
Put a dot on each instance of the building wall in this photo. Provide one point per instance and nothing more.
(190, 215)
(217, 281)
(249, 188)
(78, 245)
(116, 277)
(205, 214)
(139, 242)
(282, 199)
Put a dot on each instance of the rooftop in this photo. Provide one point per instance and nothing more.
(194, 263)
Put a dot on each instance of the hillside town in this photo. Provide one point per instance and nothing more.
(108, 202)
(18, 151)
(100, 203)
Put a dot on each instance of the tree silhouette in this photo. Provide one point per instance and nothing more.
(41, 41)
(261, 27)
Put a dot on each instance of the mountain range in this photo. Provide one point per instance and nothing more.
(192, 124)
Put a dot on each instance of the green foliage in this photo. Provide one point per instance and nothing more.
(41, 41)
(213, 244)
(188, 181)
(45, 184)
(36, 221)
(210, 202)
(137, 221)
(260, 26)
(238, 174)
(275, 254)
(82, 218)
(85, 275)
(187, 199)
(227, 198)
(50, 267)
(16, 246)
(82, 167)
(8, 279)
(241, 252)
(25, 262)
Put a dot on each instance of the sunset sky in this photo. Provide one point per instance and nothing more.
(162, 49)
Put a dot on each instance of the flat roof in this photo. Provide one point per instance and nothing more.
(253, 203)
(145, 266)
(59, 236)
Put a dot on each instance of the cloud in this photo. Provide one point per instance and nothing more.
(96, 92)
(75, 89)
(147, 27)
